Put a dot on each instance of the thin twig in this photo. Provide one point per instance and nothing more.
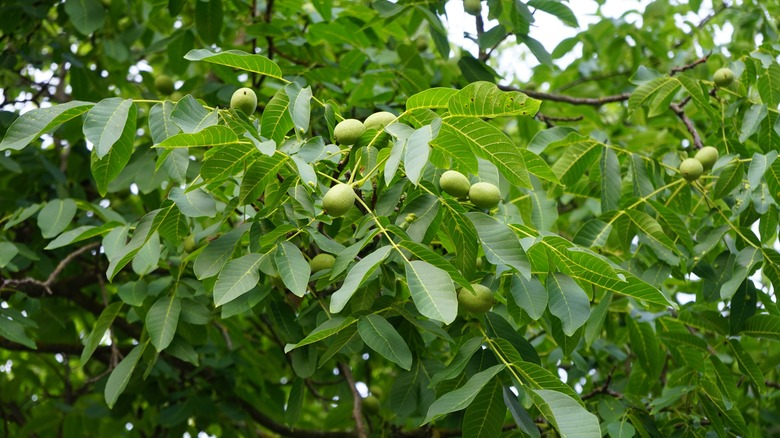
(64, 262)
(357, 407)
(697, 143)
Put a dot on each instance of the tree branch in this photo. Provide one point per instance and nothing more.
(357, 400)
(677, 108)
(273, 426)
(592, 101)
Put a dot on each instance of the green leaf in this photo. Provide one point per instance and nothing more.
(212, 136)
(486, 141)
(208, 20)
(593, 234)
(258, 175)
(610, 180)
(431, 98)
(432, 291)
(276, 121)
(536, 48)
(161, 126)
(763, 326)
(569, 417)
(381, 337)
(55, 216)
(747, 365)
(521, 416)
(417, 150)
(222, 163)
(323, 331)
(237, 277)
(106, 169)
(484, 417)
(120, 376)
(12, 330)
(355, 277)
(530, 295)
(191, 116)
(104, 321)
(7, 252)
(459, 361)
(537, 377)
(501, 245)
(772, 178)
(162, 320)
(39, 121)
(105, 122)
(729, 178)
(86, 15)
(193, 203)
(578, 156)
(462, 397)
(653, 235)
(484, 99)
(645, 345)
(558, 9)
(664, 86)
(752, 120)
(239, 60)
(293, 268)
(568, 302)
(300, 108)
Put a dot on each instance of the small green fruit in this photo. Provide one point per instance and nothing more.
(472, 7)
(454, 183)
(691, 169)
(372, 405)
(189, 243)
(348, 131)
(422, 43)
(176, 96)
(244, 99)
(379, 120)
(723, 77)
(479, 302)
(376, 391)
(707, 156)
(339, 199)
(164, 85)
(484, 195)
(321, 261)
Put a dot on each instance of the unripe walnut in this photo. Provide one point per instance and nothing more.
(723, 77)
(691, 169)
(379, 120)
(339, 199)
(707, 156)
(244, 99)
(479, 301)
(454, 183)
(484, 195)
(348, 131)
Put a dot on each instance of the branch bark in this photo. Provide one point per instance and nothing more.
(357, 401)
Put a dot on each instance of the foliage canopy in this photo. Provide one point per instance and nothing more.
(155, 249)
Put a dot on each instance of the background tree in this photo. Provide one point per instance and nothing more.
(156, 244)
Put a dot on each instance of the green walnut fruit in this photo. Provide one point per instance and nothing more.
(339, 199)
(189, 243)
(376, 391)
(372, 405)
(723, 77)
(245, 100)
(707, 156)
(422, 43)
(164, 85)
(321, 261)
(484, 195)
(379, 120)
(691, 169)
(472, 7)
(348, 131)
(454, 183)
(176, 96)
(479, 301)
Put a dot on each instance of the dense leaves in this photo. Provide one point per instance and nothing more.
(155, 250)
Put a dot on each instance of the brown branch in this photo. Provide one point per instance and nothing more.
(685, 67)
(64, 262)
(603, 389)
(357, 407)
(592, 101)
(677, 108)
(549, 119)
(273, 426)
